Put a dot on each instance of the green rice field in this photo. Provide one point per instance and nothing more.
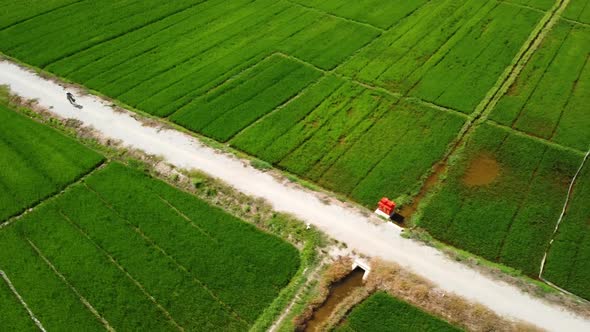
(365, 99)
(36, 166)
(507, 213)
(382, 312)
(120, 250)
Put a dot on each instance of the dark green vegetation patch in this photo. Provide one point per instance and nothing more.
(35, 162)
(382, 312)
(145, 256)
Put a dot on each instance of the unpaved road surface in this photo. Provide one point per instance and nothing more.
(347, 226)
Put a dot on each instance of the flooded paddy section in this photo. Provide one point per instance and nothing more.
(339, 291)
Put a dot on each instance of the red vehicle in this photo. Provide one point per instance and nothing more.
(385, 208)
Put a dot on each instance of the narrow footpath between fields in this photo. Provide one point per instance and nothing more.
(344, 225)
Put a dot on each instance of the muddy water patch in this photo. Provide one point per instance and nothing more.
(408, 210)
(482, 170)
(338, 292)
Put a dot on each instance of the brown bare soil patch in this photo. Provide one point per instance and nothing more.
(482, 170)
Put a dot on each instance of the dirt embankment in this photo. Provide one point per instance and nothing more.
(404, 285)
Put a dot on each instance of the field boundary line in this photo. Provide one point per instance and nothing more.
(82, 299)
(369, 25)
(185, 217)
(586, 25)
(303, 62)
(569, 97)
(41, 14)
(339, 75)
(55, 195)
(154, 245)
(392, 26)
(561, 216)
(122, 269)
(533, 137)
(523, 6)
(20, 299)
(438, 107)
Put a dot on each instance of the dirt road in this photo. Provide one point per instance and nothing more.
(346, 226)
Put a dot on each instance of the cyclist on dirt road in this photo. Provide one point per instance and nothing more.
(71, 99)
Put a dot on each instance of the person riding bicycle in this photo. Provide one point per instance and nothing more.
(71, 99)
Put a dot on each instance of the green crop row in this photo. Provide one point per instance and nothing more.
(14, 316)
(65, 31)
(551, 95)
(235, 105)
(338, 38)
(102, 57)
(578, 10)
(568, 261)
(255, 138)
(399, 52)
(454, 65)
(174, 259)
(468, 71)
(36, 162)
(502, 197)
(18, 11)
(382, 312)
(382, 14)
(214, 41)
